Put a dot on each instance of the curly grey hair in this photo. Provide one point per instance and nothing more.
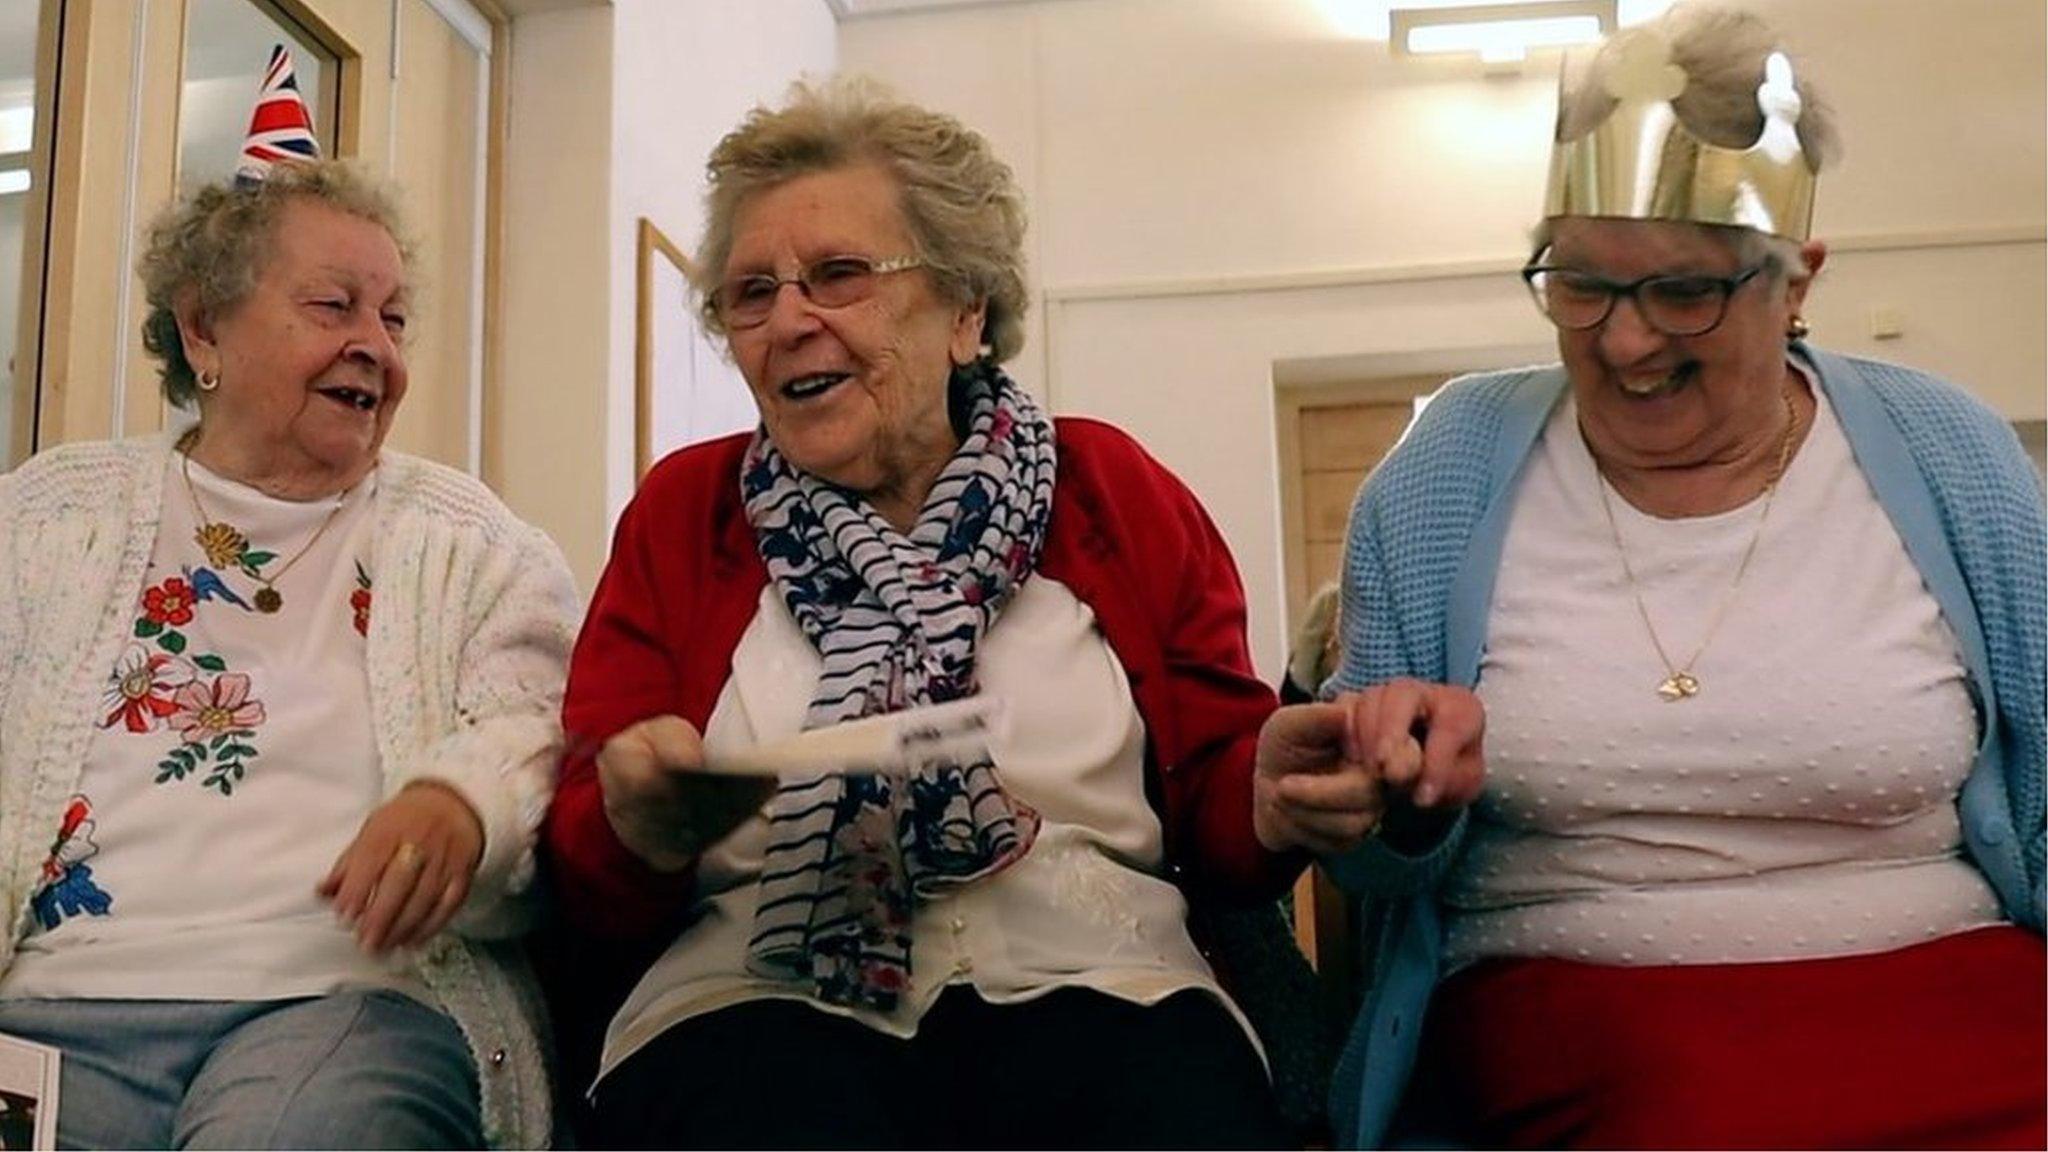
(962, 204)
(1722, 52)
(216, 240)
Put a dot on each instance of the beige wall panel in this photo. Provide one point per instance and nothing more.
(440, 113)
(546, 423)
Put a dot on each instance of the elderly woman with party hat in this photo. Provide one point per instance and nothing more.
(1758, 630)
(279, 721)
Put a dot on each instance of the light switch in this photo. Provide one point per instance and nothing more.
(1886, 323)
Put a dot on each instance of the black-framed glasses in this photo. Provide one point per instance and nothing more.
(832, 282)
(1685, 305)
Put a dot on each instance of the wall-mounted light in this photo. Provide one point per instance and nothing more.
(1499, 33)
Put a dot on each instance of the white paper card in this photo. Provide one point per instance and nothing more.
(893, 744)
(28, 1093)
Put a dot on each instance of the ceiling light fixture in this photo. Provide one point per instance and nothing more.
(1499, 33)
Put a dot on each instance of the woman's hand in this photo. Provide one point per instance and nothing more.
(408, 869)
(1425, 739)
(661, 803)
(1311, 789)
(1326, 772)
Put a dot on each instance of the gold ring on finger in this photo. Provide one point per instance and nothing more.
(407, 855)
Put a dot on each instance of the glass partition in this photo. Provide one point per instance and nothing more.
(227, 48)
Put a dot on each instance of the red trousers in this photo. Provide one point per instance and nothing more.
(1941, 1045)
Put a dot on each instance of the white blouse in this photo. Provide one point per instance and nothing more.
(1088, 906)
(1802, 805)
(232, 759)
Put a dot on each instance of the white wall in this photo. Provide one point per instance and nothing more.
(684, 72)
(1222, 186)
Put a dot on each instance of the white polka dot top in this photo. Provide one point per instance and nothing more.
(1801, 805)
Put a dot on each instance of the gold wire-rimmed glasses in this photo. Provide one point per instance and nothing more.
(831, 282)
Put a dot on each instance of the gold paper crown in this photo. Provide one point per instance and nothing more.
(1642, 162)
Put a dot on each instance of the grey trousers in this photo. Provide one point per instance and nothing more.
(363, 1069)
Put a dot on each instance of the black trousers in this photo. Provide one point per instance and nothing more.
(1071, 1069)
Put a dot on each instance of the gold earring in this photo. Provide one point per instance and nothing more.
(208, 381)
(1798, 328)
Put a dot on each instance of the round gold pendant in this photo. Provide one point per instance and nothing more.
(267, 600)
(1679, 686)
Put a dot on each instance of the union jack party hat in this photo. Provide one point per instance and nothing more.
(281, 128)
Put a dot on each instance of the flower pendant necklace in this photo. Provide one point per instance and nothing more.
(226, 547)
(1679, 682)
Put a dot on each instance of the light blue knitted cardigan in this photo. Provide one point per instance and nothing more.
(1425, 541)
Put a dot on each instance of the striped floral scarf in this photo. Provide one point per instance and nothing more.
(897, 620)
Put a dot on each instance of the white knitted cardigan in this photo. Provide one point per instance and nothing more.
(468, 645)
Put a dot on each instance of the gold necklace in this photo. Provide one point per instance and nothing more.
(1679, 683)
(224, 543)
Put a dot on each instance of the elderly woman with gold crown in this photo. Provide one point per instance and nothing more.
(279, 721)
(1758, 630)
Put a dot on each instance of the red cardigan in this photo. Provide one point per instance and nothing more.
(1125, 537)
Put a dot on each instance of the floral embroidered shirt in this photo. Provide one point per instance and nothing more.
(183, 867)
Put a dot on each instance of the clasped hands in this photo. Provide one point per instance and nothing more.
(1329, 773)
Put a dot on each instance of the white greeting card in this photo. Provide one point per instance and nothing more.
(28, 1093)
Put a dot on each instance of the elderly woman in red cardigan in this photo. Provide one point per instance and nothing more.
(994, 948)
